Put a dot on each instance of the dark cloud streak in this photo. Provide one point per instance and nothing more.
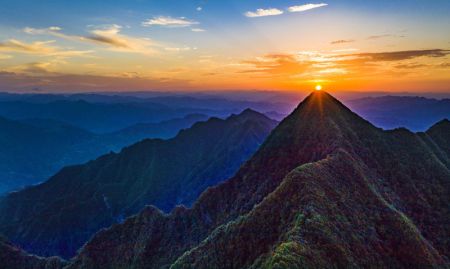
(342, 41)
(398, 55)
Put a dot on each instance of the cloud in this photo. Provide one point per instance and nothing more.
(260, 12)
(318, 64)
(174, 49)
(333, 71)
(345, 50)
(342, 41)
(199, 9)
(275, 64)
(40, 48)
(106, 35)
(305, 7)
(52, 31)
(410, 66)
(373, 37)
(198, 30)
(35, 68)
(263, 12)
(109, 36)
(167, 21)
(399, 55)
(54, 82)
(5, 56)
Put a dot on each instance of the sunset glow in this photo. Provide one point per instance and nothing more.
(197, 45)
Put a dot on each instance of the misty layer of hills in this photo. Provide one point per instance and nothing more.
(34, 149)
(105, 113)
(389, 112)
(60, 215)
(326, 189)
(111, 112)
(42, 133)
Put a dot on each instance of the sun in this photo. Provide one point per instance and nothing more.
(318, 87)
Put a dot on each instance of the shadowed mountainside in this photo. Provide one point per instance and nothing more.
(326, 189)
(12, 257)
(60, 215)
(34, 149)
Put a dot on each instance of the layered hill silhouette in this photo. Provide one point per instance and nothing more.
(34, 149)
(394, 111)
(327, 189)
(12, 257)
(60, 215)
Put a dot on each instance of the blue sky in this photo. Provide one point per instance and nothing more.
(181, 41)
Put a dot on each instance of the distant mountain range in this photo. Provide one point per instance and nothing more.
(327, 189)
(101, 113)
(60, 215)
(110, 112)
(164, 129)
(98, 117)
(34, 149)
(389, 112)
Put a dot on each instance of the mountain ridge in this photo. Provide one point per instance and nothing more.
(34, 149)
(390, 213)
(57, 217)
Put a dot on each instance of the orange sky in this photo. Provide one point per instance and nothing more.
(268, 45)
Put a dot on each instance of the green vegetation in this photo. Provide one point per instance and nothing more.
(60, 215)
(326, 190)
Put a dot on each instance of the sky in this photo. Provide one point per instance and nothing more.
(136, 45)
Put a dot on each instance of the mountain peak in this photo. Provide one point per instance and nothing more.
(249, 111)
(324, 187)
(321, 111)
(321, 103)
(442, 124)
(249, 114)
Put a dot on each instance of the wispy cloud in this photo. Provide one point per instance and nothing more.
(260, 12)
(38, 77)
(167, 21)
(276, 64)
(373, 37)
(399, 55)
(107, 35)
(41, 31)
(35, 68)
(198, 30)
(305, 7)
(111, 36)
(5, 56)
(39, 47)
(410, 66)
(342, 41)
(176, 49)
(199, 9)
(310, 63)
